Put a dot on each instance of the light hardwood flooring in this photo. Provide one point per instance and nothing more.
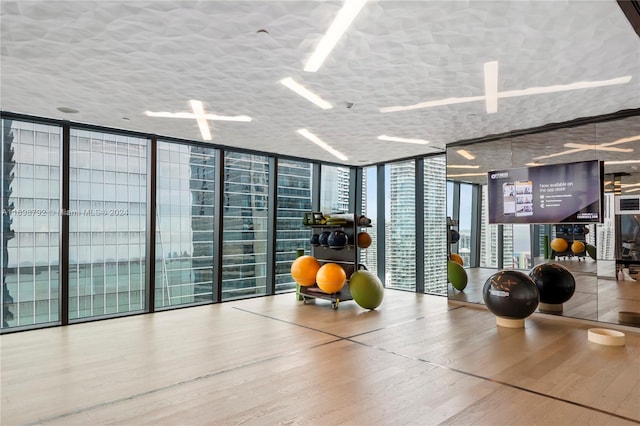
(416, 360)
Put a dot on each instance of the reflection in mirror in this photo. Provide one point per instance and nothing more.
(605, 285)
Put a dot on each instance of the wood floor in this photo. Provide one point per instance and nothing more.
(417, 360)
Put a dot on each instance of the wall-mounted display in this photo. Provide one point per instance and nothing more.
(559, 193)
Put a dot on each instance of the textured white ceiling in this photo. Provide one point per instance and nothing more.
(114, 60)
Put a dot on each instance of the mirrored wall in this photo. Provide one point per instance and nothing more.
(604, 287)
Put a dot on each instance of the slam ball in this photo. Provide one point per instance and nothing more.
(555, 283)
(510, 294)
(364, 240)
(454, 236)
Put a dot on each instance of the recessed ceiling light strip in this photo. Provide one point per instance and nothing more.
(564, 87)
(606, 163)
(461, 166)
(491, 86)
(429, 104)
(305, 93)
(198, 111)
(467, 175)
(322, 144)
(466, 154)
(404, 140)
(597, 147)
(343, 19)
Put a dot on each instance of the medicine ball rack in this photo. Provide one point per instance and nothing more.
(568, 233)
(346, 256)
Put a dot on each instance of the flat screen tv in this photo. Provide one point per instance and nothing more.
(558, 193)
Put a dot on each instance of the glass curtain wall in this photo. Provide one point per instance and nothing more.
(107, 224)
(488, 236)
(369, 256)
(464, 224)
(30, 223)
(184, 224)
(244, 254)
(435, 225)
(294, 199)
(400, 226)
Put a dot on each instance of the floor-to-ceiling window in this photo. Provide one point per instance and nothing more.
(30, 223)
(184, 224)
(465, 223)
(489, 241)
(435, 225)
(294, 200)
(334, 189)
(107, 223)
(400, 226)
(369, 255)
(246, 195)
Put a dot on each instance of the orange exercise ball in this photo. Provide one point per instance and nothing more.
(578, 247)
(304, 270)
(364, 240)
(331, 278)
(457, 258)
(559, 245)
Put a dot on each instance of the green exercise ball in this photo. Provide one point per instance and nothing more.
(591, 251)
(366, 289)
(457, 275)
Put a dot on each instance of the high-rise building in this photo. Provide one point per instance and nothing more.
(435, 226)
(400, 262)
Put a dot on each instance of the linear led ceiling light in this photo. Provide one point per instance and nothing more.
(466, 154)
(305, 93)
(461, 166)
(404, 140)
(491, 86)
(584, 147)
(343, 19)
(607, 163)
(491, 94)
(597, 147)
(322, 144)
(200, 116)
(467, 175)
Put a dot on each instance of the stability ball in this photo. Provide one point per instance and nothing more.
(457, 258)
(577, 247)
(304, 270)
(366, 289)
(591, 251)
(457, 275)
(559, 245)
(364, 240)
(555, 283)
(510, 294)
(331, 278)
